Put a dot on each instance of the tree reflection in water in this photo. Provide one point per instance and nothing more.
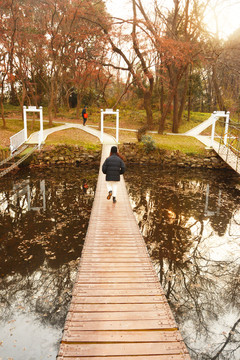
(43, 222)
(191, 224)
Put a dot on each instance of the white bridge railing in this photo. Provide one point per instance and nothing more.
(217, 115)
(17, 140)
(229, 145)
(21, 137)
(110, 112)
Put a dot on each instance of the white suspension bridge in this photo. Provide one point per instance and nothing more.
(224, 137)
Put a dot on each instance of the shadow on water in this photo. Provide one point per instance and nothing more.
(190, 221)
(43, 222)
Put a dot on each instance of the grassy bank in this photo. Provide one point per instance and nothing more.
(185, 144)
(74, 137)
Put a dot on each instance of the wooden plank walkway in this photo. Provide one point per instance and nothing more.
(118, 308)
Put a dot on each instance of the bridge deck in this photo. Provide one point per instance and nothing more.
(118, 309)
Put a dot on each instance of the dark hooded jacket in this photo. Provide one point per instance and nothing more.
(113, 167)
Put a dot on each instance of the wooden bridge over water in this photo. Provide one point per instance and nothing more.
(118, 309)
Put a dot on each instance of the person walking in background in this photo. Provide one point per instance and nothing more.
(84, 115)
(84, 186)
(113, 167)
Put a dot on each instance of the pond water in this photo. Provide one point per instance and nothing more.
(191, 224)
(43, 222)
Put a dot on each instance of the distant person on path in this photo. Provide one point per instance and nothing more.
(113, 167)
(84, 186)
(84, 115)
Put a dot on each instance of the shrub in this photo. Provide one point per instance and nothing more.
(149, 143)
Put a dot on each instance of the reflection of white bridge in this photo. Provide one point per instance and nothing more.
(24, 189)
(234, 223)
(223, 145)
(208, 212)
(23, 197)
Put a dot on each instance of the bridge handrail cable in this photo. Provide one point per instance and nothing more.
(230, 143)
(4, 172)
(13, 155)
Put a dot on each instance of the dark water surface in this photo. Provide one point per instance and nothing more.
(191, 224)
(43, 222)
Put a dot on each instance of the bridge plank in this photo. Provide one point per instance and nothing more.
(116, 316)
(120, 336)
(125, 349)
(119, 299)
(150, 357)
(116, 308)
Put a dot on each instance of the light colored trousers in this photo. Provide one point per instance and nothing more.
(112, 186)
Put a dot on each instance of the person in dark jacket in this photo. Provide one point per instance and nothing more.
(113, 167)
(84, 115)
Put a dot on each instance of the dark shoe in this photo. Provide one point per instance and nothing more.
(109, 195)
(114, 200)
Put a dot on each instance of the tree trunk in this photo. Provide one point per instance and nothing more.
(13, 94)
(183, 99)
(2, 112)
(164, 114)
(50, 114)
(50, 111)
(2, 106)
(148, 108)
(161, 98)
(67, 101)
(51, 104)
(175, 114)
(219, 97)
(189, 106)
(21, 100)
(79, 100)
